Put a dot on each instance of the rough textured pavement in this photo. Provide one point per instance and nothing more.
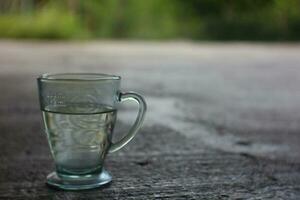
(223, 119)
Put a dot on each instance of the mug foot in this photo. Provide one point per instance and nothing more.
(74, 182)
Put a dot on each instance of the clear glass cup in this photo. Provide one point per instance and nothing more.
(79, 114)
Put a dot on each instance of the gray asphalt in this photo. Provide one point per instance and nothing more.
(237, 97)
(222, 121)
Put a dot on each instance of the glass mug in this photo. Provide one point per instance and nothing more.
(79, 114)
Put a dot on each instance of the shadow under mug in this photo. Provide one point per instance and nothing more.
(79, 114)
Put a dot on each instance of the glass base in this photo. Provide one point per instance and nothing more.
(74, 182)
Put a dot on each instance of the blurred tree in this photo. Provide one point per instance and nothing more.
(152, 19)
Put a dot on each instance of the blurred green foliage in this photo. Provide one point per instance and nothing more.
(151, 19)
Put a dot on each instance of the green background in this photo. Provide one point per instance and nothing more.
(266, 20)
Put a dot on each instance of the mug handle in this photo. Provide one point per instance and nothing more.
(138, 122)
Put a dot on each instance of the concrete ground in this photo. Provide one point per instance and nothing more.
(223, 119)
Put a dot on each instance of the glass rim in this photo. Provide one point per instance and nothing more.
(77, 77)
